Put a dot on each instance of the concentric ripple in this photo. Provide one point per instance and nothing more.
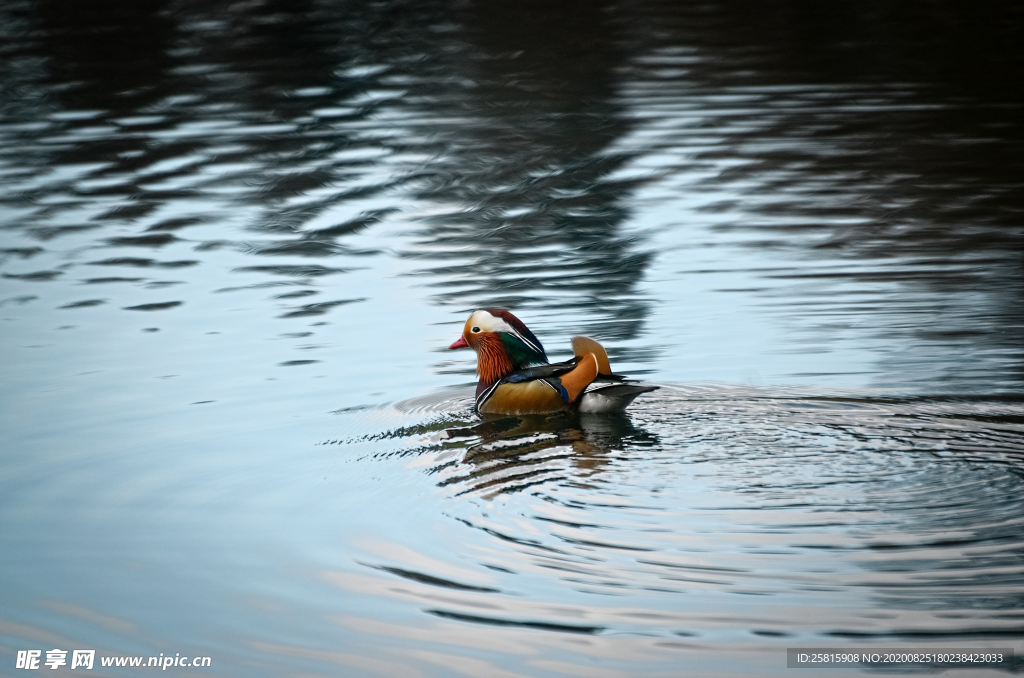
(720, 515)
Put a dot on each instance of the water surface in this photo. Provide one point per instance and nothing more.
(235, 240)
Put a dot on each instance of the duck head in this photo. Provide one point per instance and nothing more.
(503, 344)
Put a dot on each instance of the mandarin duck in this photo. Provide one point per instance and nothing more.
(516, 377)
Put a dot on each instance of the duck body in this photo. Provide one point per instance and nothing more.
(516, 377)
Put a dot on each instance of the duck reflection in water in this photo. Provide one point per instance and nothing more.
(510, 454)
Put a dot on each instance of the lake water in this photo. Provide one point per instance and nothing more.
(237, 238)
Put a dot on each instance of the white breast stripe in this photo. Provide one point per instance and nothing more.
(483, 397)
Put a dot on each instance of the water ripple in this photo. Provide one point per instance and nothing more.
(834, 504)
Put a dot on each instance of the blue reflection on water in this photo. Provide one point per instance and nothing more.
(231, 263)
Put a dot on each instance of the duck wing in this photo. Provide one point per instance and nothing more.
(541, 372)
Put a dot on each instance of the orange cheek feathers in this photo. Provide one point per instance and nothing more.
(492, 362)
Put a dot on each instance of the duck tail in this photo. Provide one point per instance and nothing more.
(581, 346)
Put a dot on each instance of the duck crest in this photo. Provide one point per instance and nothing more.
(528, 339)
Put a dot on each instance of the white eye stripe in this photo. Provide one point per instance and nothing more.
(482, 321)
(488, 323)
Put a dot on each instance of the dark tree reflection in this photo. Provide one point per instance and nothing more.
(547, 154)
(529, 211)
